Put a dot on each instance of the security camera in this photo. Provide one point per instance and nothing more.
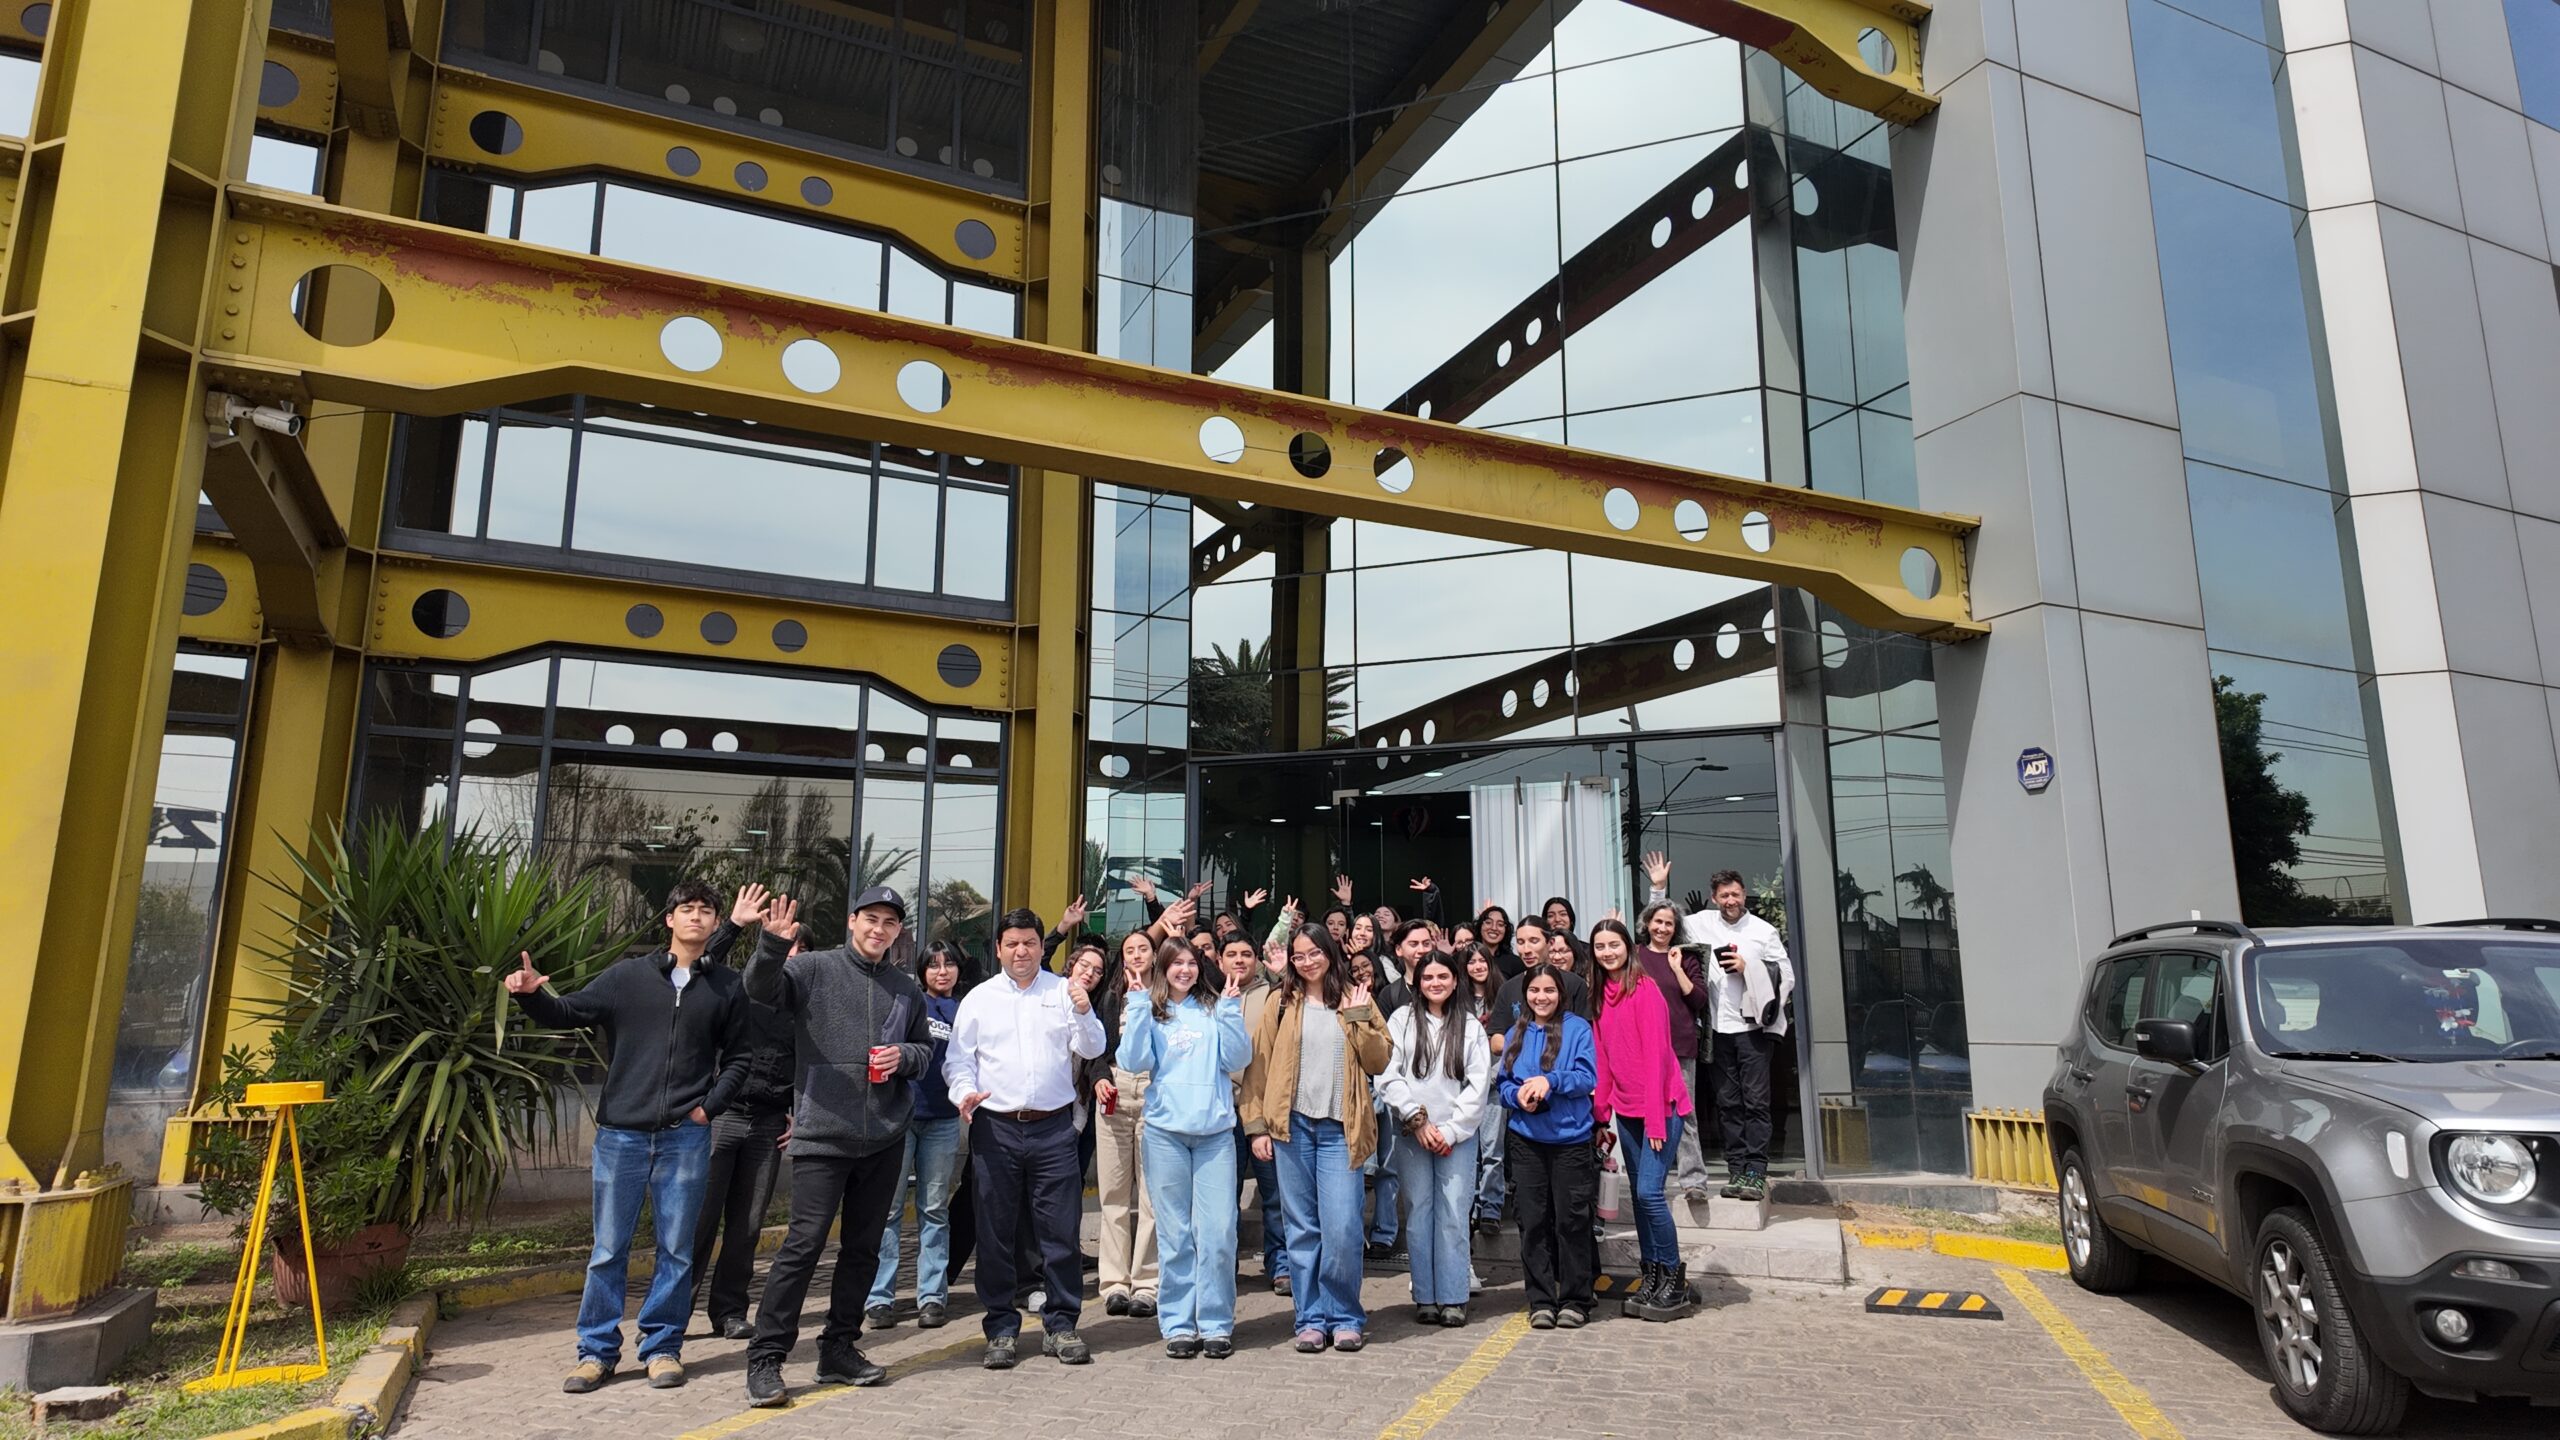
(279, 418)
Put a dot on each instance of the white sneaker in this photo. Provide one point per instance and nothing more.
(1475, 1282)
(1036, 1301)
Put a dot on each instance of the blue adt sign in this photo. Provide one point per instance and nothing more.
(2035, 770)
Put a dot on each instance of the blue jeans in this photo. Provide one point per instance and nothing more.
(933, 1163)
(1381, 1171)
(1320, 1206)
(1493, 1181)
(1647, 1169)
(1266, 1183)
(1440, 1189)
(667, 1168)
(1192, 1179)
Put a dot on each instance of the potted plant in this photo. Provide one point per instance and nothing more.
(390, 979)
(346, 1171)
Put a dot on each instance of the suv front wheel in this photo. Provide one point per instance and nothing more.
(2099, 1261)
(2326, 1377)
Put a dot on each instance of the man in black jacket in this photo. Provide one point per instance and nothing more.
(746, 1144)
(671, 1067)
(861, 1034)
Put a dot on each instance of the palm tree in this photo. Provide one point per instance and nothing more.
(1232, 698)
(1935, 900)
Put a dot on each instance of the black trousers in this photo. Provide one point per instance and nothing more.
(735, 1193)
(1027, 1171)
(1554, 1191)
(823, 1187)
(1742, 1065)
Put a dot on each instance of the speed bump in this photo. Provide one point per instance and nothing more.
(1961, 1304)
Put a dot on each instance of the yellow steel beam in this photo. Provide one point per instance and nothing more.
(264, 488)
(477, 322)
(1830, 44)
(235, 616)
(504, 611)
(309, 105)
(552, 134)
(1044, 837)
(140, 114)
(372, 39)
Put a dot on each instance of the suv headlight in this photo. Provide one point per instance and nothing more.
(2492, 1169)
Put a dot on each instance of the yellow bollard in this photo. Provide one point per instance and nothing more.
(281, 1097)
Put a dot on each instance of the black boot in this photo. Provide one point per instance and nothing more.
(1642, 1291)
(1677, 1298)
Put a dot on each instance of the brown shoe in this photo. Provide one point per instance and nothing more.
(587, 1376)
(666, 1372)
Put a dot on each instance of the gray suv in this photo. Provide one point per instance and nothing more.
(2356, 1130)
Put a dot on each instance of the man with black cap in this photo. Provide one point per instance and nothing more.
(860, 1035)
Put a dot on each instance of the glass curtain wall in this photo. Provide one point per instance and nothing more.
(1140, 628)
(2283, 607)
(941, 89)
(176, 913)
(677, 494)
(646, 773)
(1503, 267)
(1874, 889)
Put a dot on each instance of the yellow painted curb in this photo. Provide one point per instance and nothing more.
(1961, 1245)
(321, 1422)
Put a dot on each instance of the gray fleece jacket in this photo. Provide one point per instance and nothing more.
(841, 1005)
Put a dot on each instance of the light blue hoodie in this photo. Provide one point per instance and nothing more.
(1190, 1057)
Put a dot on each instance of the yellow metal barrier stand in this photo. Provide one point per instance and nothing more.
(285, 1136)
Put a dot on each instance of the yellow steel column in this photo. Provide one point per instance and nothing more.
(142, 110)
(1044, 831)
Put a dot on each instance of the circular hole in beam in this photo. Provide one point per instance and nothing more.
(644, 621)
(816, 191)
(1620, 506)
(277, 85)
(480, 749)
(1309, 455)
(1222, 439)
(342, 305)
(1920, 573)
(1690, 519)
(923, 386)
(1755, 531)
(672, 739)
(1684, 655)
(1395, 471)
(1877, 51)
(719, 627)
(976, 239)
(689, 343)
(1728, 640)
(683, 160)
(750, 175)
(496, 132)
(206, 589)
(959, 666)
(810, 366)
(790, 636)
(440, 614)
(37, 18)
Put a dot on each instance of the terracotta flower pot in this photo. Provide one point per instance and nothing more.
(341, 1266)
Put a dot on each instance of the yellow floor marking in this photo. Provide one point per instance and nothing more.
(802, 1400)
(1893, 1297)
(1933, 1299)
(2131, 1401)
(1441, 1399)
(1973, 1302)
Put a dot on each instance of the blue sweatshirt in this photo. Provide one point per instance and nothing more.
(933, 1093)
(1565, 1114)
(1191, 1057)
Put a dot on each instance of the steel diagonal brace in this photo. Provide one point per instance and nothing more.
(476, 322)
(1828, 43)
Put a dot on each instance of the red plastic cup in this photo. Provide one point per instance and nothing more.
(884, 1062)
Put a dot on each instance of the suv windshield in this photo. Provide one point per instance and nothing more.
(2455, 998)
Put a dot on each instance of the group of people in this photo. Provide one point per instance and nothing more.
(1491, 1066)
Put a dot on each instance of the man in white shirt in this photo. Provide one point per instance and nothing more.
(1011, 1069)
(1754, 990)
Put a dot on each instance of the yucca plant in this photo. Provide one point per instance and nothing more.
(401, 958)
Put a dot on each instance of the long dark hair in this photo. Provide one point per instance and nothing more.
(1570, 918)
(1447, 1048)
(1337, 970)
(1603, 991)
(960, 961)
(1551, 1029)
(1495, 912)
(1160, 978)
(1479, 994)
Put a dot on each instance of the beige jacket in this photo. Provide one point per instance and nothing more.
(1270, 1088)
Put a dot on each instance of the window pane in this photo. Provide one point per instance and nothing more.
(2268, 557)
(637, 497)
(2209, 99)
(529, 483)
(2533, 32)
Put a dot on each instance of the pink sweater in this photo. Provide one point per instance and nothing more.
(1639, 1073)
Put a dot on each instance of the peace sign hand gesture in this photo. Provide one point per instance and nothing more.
(522, 980)
(1076, 911)
(1234, 990)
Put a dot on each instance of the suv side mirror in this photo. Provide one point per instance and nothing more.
(2171, 1042)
